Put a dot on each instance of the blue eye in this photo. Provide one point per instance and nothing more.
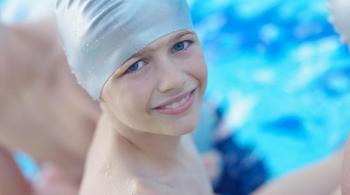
(135, 67)
(181, 46)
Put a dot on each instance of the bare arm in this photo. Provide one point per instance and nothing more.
(322, 178)
(42, 109)
(337, 191)
(21, 47)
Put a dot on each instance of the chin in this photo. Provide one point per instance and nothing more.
(183, 127)
(179, 132)
(189, 123)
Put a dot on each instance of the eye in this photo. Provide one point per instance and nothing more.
(135, 67)
(181, 45)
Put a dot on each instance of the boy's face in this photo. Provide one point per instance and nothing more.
(159, 90)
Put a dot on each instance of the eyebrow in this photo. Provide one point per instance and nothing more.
(147, 49)
(181, 34)
(171, 40)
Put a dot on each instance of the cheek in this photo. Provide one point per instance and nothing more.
(198, 69)
(122, 105)
(135, 94)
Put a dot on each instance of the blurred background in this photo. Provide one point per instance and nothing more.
(279, 78)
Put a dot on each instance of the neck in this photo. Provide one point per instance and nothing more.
(143, 155)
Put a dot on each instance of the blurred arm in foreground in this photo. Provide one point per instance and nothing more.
(43, 111)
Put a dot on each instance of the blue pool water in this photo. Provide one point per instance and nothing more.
(285, 75)
(281, 74)
(28, 166)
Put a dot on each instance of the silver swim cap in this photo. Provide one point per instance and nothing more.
(100, 35)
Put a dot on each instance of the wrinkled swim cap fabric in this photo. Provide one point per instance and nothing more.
(100, 35)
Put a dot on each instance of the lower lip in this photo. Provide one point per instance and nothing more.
(181, 109)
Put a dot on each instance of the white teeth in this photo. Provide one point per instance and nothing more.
(177, 104)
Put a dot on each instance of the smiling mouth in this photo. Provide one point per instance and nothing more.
(177, 105)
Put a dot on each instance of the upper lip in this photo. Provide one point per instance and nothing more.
(176, 99)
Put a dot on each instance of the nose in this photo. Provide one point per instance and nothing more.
(171, 77)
